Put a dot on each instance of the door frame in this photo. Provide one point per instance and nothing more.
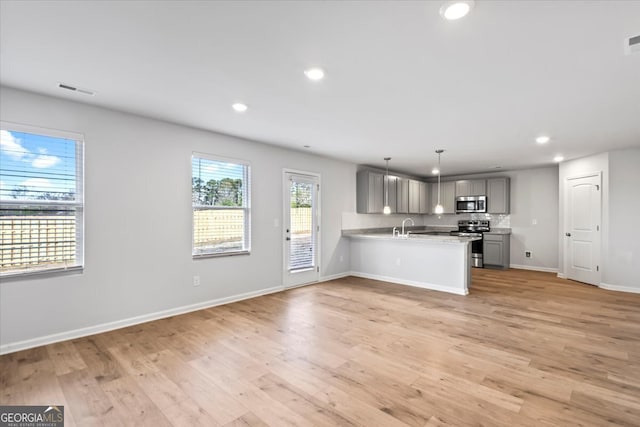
(285, 195)
(565, 224)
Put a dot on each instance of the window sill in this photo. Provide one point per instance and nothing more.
(41, 273)
(219, 255)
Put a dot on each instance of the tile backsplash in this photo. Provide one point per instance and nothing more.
(353, 220)
(496, 220)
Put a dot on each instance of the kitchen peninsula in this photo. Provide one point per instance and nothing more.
(430, 261)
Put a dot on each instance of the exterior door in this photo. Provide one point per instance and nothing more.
(301, 228)
(582, 228)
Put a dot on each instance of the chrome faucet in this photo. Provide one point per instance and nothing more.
(403, 222)
(394, 232)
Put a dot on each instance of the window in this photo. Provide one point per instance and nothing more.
(221, 206)
(41, 200)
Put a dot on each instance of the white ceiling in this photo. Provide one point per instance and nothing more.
(401, 81)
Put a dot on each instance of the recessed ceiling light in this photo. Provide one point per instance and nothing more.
(558, 159)
(542, 139)
(435, 171)
(457, 9)
(240, 107)
(314, 74)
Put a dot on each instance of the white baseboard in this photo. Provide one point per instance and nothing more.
(423, 285)
(609, 287)
(110, 326)
(533, 268)
(562, 275)
(334, 276)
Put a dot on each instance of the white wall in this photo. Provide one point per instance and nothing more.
(623, 250)
(138, 221)
(534, 196)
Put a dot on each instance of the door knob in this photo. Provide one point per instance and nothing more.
(288, 238)
(567, 234)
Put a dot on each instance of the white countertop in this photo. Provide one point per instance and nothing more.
(499, 231)
(415, 238)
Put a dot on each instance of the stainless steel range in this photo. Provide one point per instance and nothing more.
(473, 228)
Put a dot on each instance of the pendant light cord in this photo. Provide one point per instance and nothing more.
(386, 186)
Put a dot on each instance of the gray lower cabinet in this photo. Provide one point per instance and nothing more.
(447, 196)
(498, 195)
(369, 192)
(496, 249)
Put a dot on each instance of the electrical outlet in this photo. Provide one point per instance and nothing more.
(196, 280)
(527, 254)
(341, 258)
(398, 261)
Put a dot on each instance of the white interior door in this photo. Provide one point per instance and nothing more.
(301, 228)
(582, 228)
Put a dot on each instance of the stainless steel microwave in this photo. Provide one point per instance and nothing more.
(471, 204)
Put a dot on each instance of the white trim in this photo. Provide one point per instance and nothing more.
(534, 268)
(607, 286)
(78, 203)
(246, 204)
(562, 275)
(334, 277)
(423, 285)
(56, 133)
(110, 326)
(301, 285)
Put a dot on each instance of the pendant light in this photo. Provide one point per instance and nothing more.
(439, 208)
(387, 209)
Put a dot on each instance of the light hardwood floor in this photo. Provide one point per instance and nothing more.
(524, 348)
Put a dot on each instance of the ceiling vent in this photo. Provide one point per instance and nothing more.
(76, 89)
(632, 45)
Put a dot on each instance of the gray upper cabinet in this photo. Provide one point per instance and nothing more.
(392, 188)
(414, 196)
(403, 195)
(370, 192)
(498, 195)
(447, 196)
(471, 187)
(425, 199)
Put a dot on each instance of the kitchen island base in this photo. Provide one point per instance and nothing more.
(436, 264)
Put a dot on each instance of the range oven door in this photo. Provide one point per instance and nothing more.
(477, 257)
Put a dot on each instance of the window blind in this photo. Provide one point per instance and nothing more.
(221, 208)
(41, 200)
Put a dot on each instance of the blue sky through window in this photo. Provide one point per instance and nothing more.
(37, 167)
